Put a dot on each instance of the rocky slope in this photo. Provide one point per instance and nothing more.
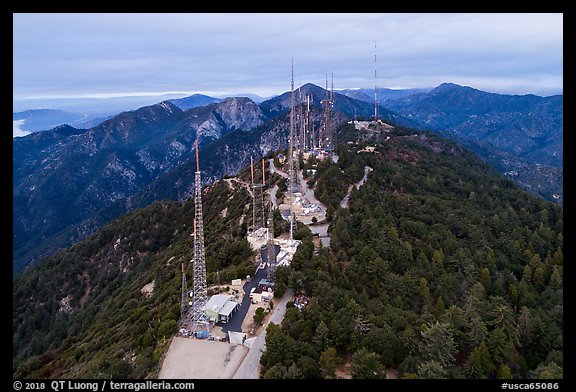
(65, 175)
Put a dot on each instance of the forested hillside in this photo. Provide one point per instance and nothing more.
(82, 312)
(439, 268)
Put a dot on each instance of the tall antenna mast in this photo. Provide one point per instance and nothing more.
(301, 118)
(326, 101)
(307, 124)
(252, 170)
(292, 184)
(271, 251)
(328, 104)
(253, 196)
(333, 133)
(263, 173)
(293, 172)
(375, 90)
(200, 293)
(332, 89)
(184, 304)
(257, 200)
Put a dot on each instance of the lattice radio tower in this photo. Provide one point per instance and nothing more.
(293, 173)
(301, 122)
(308, 143)
(257, 199)
(271, 251)
(325, 139)
(199, 292)
(184, 304)
(292, 161)
(375, 90)
(333, 133)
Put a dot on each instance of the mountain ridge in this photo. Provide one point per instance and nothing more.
(528, 127)
(435, 243)
(193, 101)
(133, 149)
(108, 162)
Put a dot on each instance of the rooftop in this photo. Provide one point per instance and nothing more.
(217, 302)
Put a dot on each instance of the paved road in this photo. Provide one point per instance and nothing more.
(344, 202)
(235, 324)
(250, 367)
(309, 193)
(273, 196)
(274, 170)
(238, 317)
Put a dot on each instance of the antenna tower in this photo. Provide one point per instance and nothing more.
(271, 251)
(293, 162)
(333, 133)
(200, 292)
(328, 102)
(375, 90)
(257, 200)
(307, 125)
(302, 118)
(184, 304)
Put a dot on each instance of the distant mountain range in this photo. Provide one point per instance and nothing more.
(45, 119)
(67, 182)
(194, 101)
(342, 103)
(527, 126)
(520, 131)
(382, 94)
(60, 180)
(86, 113)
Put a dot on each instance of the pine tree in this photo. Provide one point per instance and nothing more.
(438, 343)
(479, 364)
(504, 372)
(329, 360)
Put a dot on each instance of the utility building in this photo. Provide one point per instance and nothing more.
(220, 308)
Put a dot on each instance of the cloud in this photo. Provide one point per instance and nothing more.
(111, 53)
(16, 130)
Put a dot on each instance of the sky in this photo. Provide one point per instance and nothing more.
(67, 57)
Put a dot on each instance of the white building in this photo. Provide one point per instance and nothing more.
(220, 308)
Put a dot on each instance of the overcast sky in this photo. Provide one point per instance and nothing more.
(102, 55)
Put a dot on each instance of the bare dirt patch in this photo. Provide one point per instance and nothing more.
(148, 289)
(189, 358)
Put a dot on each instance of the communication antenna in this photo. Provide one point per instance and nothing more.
(199, 294)
(375, 90)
